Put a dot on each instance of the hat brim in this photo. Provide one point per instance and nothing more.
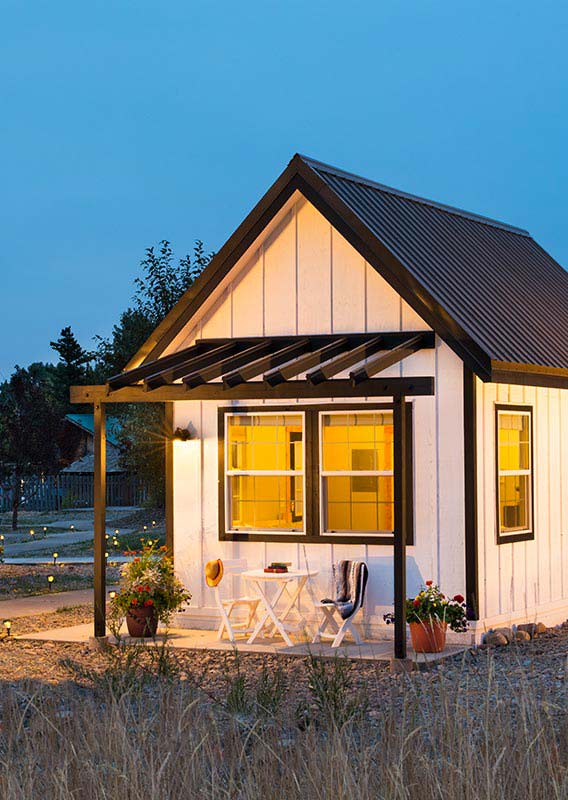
(212, 582)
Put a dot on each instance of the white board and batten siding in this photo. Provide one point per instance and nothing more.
(305, 278)
(525, 580)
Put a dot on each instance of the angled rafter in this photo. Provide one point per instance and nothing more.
(256, 367)
(161, 377)
(139, 373)
(298, 365)
(383, 360)
(227, 365)
(345, 360)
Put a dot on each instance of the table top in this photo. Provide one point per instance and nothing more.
(292, 574)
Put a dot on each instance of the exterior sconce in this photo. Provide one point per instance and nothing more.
(181, 435)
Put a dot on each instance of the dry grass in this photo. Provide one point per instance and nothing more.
(129, 733)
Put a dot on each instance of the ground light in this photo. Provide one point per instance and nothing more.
(32, 532)
(7, 626)
(71, 527)
(55, 557)
(112, 595)
(50, 580)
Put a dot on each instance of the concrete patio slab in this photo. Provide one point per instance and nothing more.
(183, 638)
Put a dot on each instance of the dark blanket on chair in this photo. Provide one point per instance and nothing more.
(348, 586)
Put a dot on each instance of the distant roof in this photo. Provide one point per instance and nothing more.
(487, 288)
(87, 423)
(87, 463)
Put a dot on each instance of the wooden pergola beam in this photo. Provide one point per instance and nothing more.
(400, 525)
(388, 359)
(259, 365)
(345, 360)
(166, 362)
(298, 365)
(199, 360)
(258, 390)
(220, 367)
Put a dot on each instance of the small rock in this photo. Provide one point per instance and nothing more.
(541, 627)
(528, 627)
(506, 632)
(495, 639)
(522, 636)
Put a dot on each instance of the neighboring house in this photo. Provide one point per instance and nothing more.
(365, 372)
(77, 444)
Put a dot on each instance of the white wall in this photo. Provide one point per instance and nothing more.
(305, 278)
(525, 580)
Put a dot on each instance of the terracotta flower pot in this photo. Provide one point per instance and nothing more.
(428, 636)
(142, 622)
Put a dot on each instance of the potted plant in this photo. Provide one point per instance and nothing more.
(149, 592)
(429, 614)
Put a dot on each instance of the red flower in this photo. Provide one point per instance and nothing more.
(416, 602)
(134, 602)
(459, 598)
(428, 583)
(148, 602)
(147, 588)
(139, 589)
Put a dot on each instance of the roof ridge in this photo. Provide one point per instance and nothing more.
(340, 173)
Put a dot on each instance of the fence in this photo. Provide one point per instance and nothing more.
(75, 490)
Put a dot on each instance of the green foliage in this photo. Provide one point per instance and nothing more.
(270, 689)
(72, 369)
(149, 580)
(332, 692)
(142, 443)
(430, 604)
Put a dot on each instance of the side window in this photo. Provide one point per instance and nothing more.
(514, 473)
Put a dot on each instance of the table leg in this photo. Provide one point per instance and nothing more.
(270, 613)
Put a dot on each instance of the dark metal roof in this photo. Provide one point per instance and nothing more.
(494, 280)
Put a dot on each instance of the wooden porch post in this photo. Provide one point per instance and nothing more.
(100, 518)
(400, 525)
(169, 476)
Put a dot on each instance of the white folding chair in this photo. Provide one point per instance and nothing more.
(353, 571)
(226, 606)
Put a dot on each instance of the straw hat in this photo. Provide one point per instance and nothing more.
(213, 572)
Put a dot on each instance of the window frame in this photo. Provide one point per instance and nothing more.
(529, 533)
(313, 521)
(269, 532)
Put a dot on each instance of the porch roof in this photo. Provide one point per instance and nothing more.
(274, 367)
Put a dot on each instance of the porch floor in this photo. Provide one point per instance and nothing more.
(189, 639)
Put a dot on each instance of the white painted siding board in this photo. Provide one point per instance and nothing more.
(248, 300)
(314, 271)
(554, 494)
(348, 287)
(280, 279)
(542, 515)
(563, 479)
(532, 548)
(218, 322)
(411, 321)
(492, 551)
(383, 303)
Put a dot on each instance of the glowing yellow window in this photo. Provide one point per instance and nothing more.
(357, 472)
(514, 471)
(265, 472)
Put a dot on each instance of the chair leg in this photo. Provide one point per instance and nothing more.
(328, 620)
(347, 626)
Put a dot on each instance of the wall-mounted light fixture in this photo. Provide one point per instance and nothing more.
(181, 435)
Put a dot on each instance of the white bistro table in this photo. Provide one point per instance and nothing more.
(260, 581)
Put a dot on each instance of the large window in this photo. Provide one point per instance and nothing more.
(265, 472)
(514, 473)
(357, 472)
(310, 473)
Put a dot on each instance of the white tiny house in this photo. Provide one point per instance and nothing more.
(367, 374)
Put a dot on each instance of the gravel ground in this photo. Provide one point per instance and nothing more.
(539, 666)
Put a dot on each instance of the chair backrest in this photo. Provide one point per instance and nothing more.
(351, 579)
(234, 566)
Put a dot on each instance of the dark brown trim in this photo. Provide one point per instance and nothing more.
(529, 375)
(522, 536)
(384, 360)
(169, 476)
(401, 476)
(196, 359)
(99, 520)
(345, 360)
(258, 390)
(312, 476)
(470, 492)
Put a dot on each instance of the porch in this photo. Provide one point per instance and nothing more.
(290, 368)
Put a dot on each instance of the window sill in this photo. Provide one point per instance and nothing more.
(511, 538)
(304, 538)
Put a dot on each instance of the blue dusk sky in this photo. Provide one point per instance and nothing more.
(124, 122)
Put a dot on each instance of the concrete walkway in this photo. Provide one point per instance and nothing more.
(43, 603)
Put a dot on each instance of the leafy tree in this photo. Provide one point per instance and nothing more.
(72, 369)
(162, 284)
(29, 427)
